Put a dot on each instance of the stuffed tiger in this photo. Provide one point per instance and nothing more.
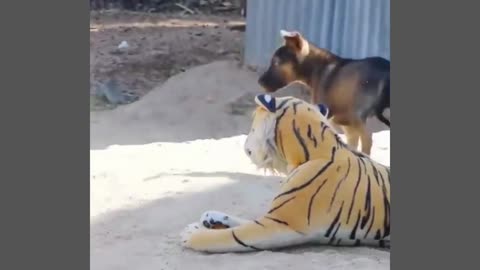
(332, 195)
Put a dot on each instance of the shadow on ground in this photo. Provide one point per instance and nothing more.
(147, 236)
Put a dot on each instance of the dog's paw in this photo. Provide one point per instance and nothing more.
(186, 234)
(217, 220)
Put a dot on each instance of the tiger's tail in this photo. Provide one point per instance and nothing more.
(266, 233)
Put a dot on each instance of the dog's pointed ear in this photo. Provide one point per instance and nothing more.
(266, 101)
(324, 110)
(295, 40)
(292, 39)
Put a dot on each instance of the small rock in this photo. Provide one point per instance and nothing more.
(112, 92)
(123, 45)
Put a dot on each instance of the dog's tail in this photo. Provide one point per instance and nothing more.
(384, 102)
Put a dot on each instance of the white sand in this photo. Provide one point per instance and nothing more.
(149, 180)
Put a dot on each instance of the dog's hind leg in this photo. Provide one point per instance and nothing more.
(384, 103)
(352, 135)
(365, 137)
(262, 234)
(382, 118)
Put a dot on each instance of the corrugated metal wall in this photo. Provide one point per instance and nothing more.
(349, 28)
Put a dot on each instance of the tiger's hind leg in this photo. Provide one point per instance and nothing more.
(263, 234)
(219, 220)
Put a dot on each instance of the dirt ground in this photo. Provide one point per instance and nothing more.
(158, 163)
(160, 45)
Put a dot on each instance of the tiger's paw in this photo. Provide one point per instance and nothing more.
(188, 232)
(217, 220)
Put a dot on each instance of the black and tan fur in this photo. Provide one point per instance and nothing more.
(353, 89)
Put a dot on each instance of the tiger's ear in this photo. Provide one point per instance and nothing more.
(324, 110)
(267, 102)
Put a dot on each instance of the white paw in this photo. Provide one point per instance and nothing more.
(186, 234)
(216, 220)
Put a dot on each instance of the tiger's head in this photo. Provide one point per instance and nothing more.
(286, 132)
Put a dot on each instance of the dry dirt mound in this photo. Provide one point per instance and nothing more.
(191, 105)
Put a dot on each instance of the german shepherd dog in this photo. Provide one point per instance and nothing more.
(352, 89)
